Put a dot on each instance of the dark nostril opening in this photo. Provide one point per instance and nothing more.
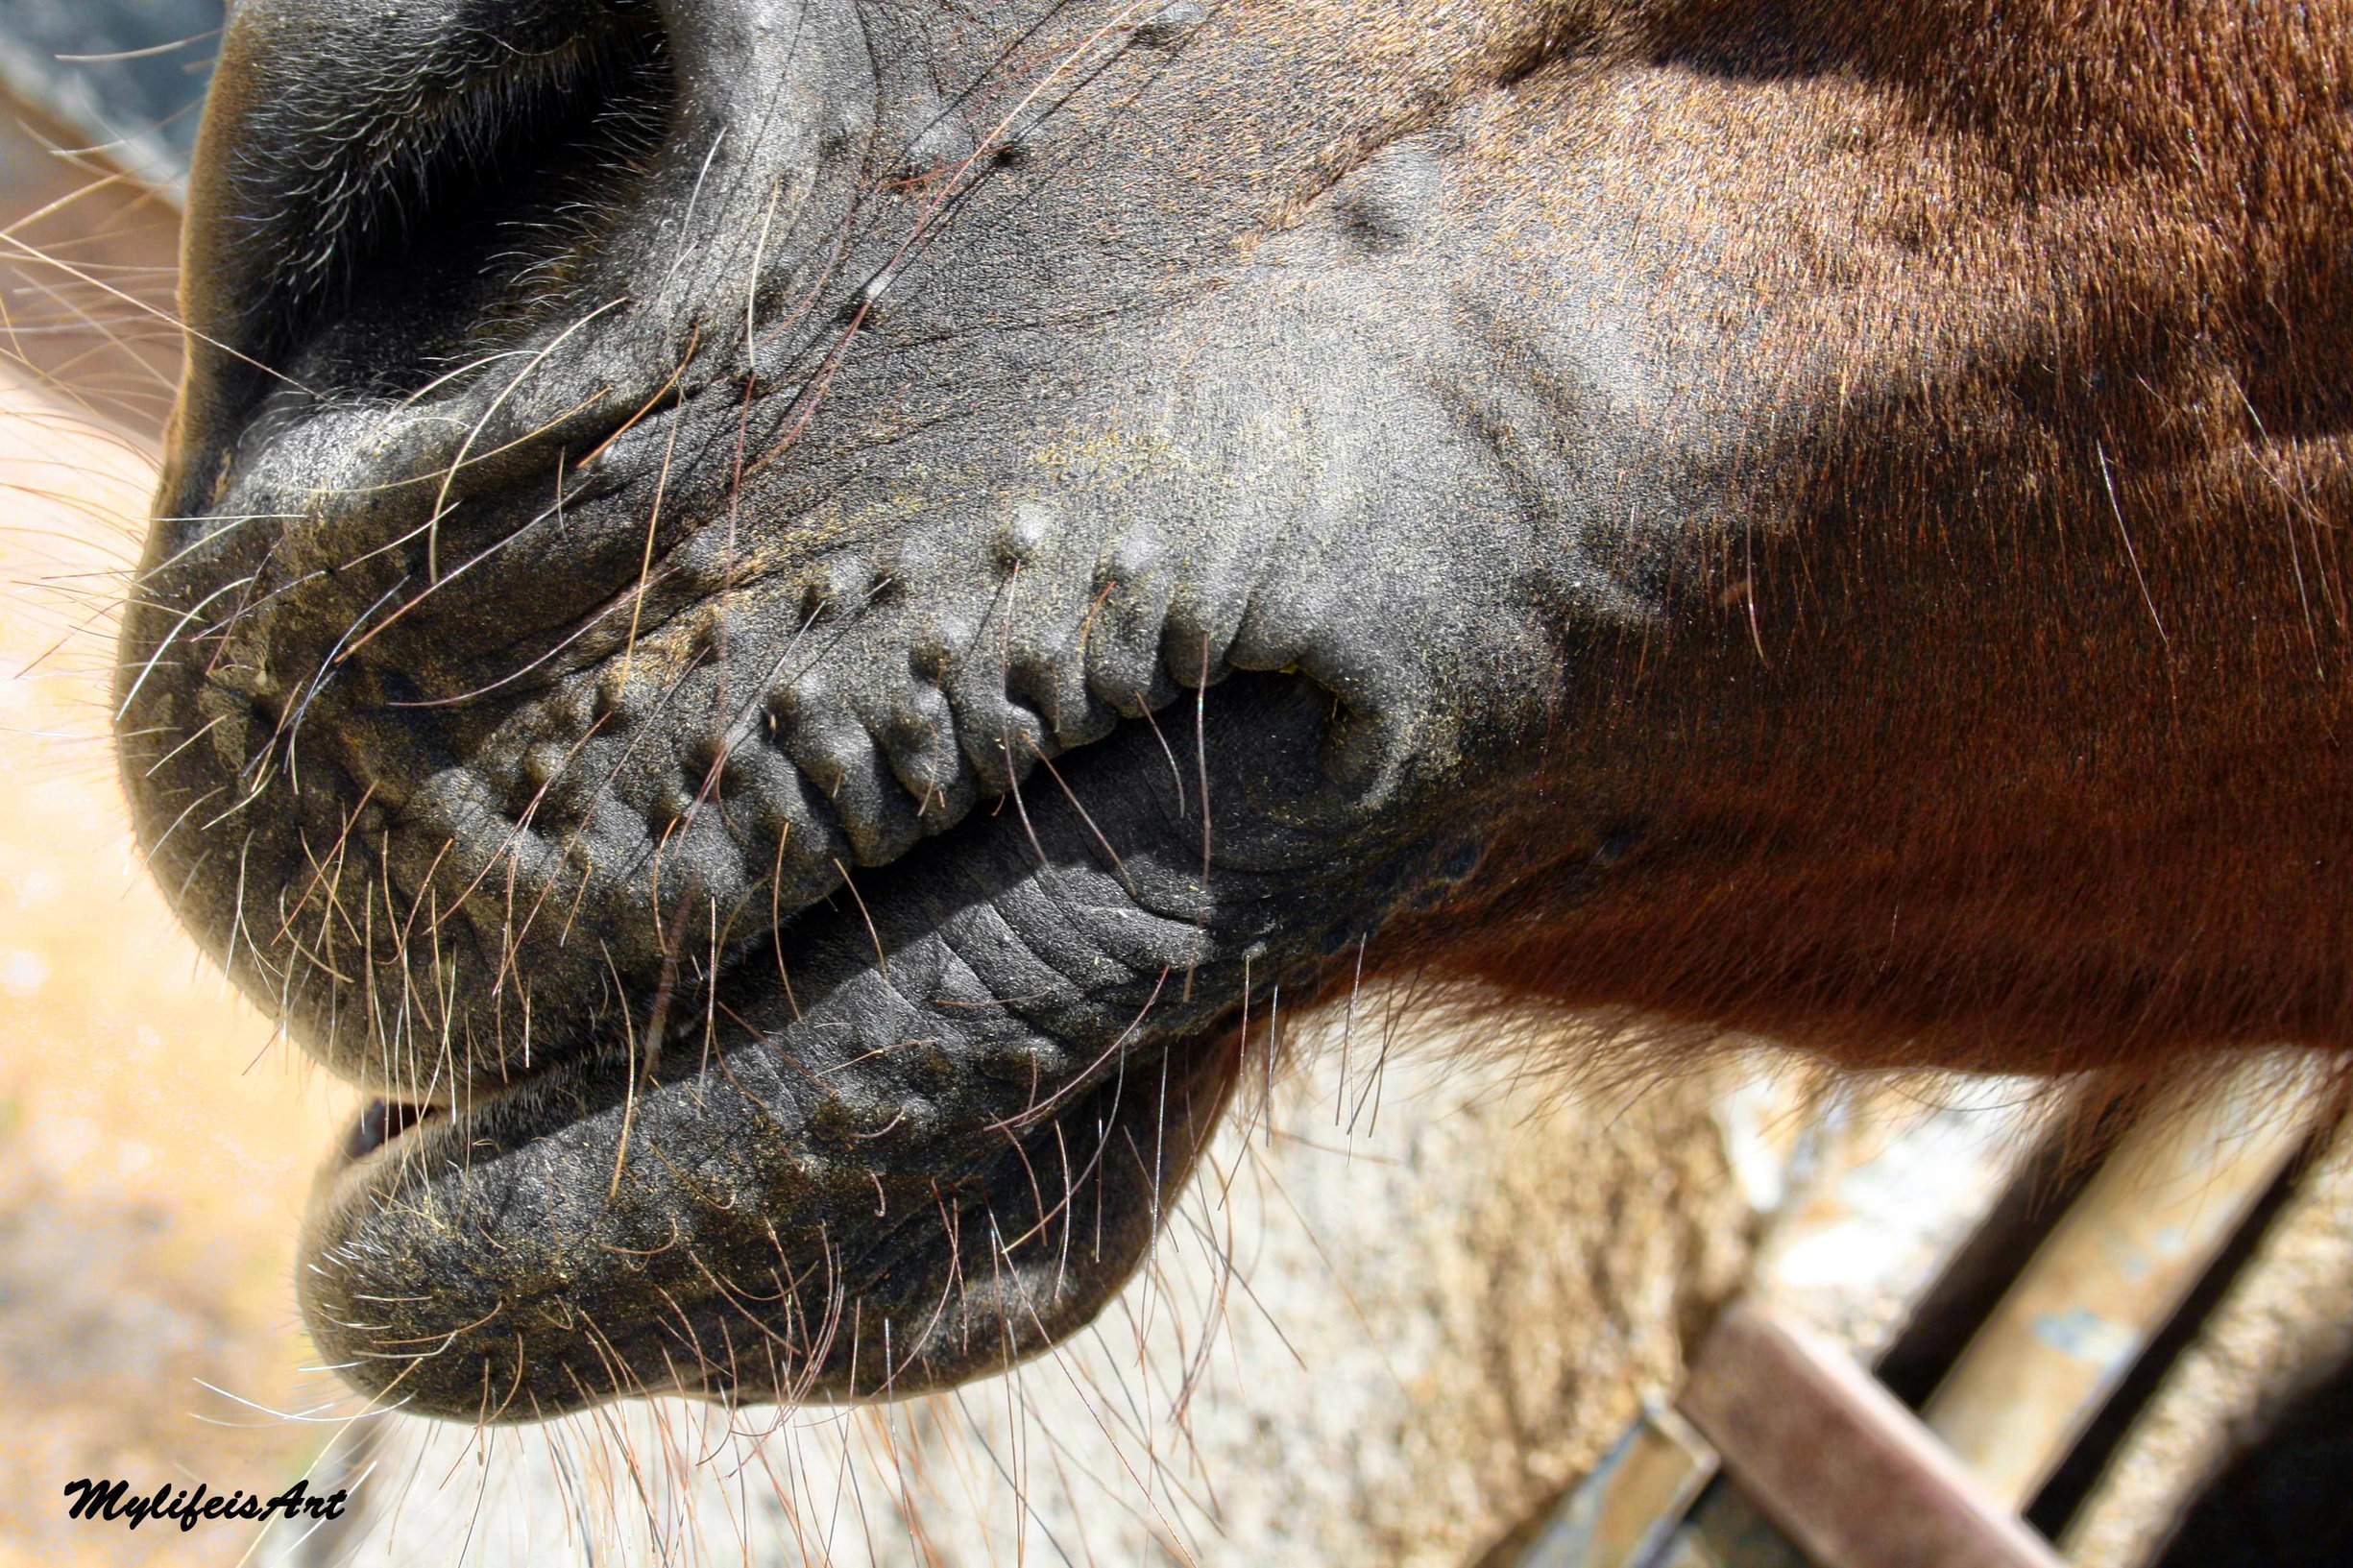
(380, 215)
(383, 1121)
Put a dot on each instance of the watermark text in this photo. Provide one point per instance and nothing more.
(113, 1500)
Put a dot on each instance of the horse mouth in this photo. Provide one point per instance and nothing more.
(909, 1135)
(383, 1122)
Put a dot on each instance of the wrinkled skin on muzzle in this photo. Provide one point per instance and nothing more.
(774, 618)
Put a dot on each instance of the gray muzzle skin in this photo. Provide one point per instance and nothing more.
(717, 613)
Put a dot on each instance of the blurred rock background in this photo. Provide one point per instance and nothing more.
(154, 1144)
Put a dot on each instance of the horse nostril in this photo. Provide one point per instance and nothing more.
(373, 182)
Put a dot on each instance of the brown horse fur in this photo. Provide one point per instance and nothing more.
(2013, 738)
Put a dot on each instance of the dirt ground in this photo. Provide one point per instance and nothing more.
(155, 1141)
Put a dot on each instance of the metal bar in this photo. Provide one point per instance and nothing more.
(1622, 1514)
(2279, 1329)
(1849, 1474)
(2107, 1279)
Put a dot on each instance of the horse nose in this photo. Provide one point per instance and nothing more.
(374, 183)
